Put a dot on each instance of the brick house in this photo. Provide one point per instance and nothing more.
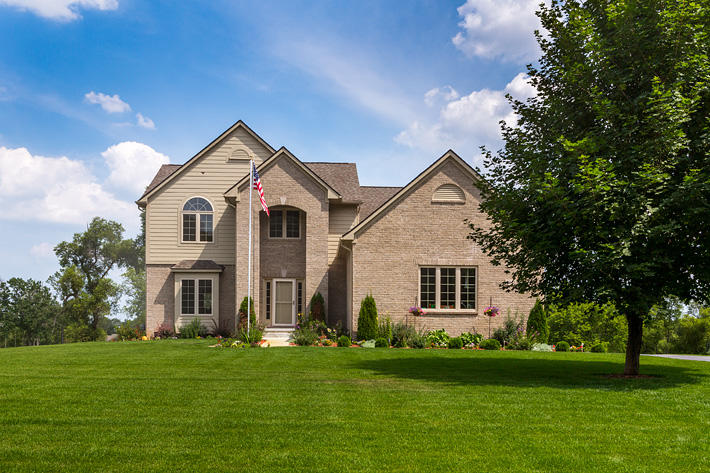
(326, 233)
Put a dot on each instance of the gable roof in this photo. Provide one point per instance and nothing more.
(163, 173)
(449, 155)
(373, 197)
(142, 201)
(342, 177)
(282, 152)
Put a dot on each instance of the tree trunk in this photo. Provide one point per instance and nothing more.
(633, 345)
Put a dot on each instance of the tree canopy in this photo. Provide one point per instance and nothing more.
(602, 190)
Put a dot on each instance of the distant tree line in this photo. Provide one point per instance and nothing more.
(75, 303)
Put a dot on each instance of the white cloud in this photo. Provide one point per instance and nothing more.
(42, 250)
(132, 165)
(467, 122)
(58, 190)
(110, 103)
(499, 29)
(145, 122)
(438, 94)
(61, 10)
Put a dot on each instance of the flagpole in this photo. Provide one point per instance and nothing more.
(251, 185)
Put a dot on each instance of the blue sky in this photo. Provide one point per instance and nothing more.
(96, 94)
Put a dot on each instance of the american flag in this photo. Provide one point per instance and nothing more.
(257, 186)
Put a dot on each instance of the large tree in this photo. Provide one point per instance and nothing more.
(602, 189)
(86, 292)
(29, 315)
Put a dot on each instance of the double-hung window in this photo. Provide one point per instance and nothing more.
(197, 217)
(196, 297)
(447, 287)
(285, 224)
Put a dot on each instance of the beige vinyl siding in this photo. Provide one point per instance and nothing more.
(208, 177)
(341, 219)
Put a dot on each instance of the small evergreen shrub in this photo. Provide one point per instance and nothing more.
(600, 347)
(243, 312)
(317, 307)
(455, 343)
(490, 344)
(537, 323)
(382, 343)
(344, 341)
(367, 320)
(562, 346)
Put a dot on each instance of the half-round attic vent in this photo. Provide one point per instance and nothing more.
(239, 153)
(449, 193)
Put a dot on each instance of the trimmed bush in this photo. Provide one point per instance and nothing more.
(537, 323)
(600, 347)
(344, 341)
(367, 320)
(490, 344)
(317, 307)
(455, 343)
(243, 312)
(562, 346)
(382, 343)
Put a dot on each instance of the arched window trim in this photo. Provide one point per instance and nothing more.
(240, 147)
(197, 226)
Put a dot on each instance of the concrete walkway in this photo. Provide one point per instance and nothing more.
(684, 357)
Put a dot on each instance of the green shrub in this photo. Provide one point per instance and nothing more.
(402, 334)
(344, 341)
(83, 333)
(490, 344)
(471, 339)
(588, 323)
(382, 343)
(418, 341)
(367, 319)
(164, 331)
(193, 330)
(693, 335)
(384, 329)
(600, 347)
(438, 338)
(305, 336)
(537, 327)
(126, 331)
(455, 343)
(317, 311)
(511, 326)
(243, 313)
(252, 336)
(562, 346)
(520, 342)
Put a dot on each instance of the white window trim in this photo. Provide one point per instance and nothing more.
(283, 224)
(208, 320)
(438, 310)
(198, 222)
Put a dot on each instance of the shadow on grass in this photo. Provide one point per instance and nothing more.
(527, 372)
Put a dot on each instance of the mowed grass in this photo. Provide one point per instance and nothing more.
(182, 406)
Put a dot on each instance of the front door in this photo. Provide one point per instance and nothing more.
(284, 303)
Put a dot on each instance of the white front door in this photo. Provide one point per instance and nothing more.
(284, 302)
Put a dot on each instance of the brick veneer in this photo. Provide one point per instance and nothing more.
(414, 232)
(285, 183)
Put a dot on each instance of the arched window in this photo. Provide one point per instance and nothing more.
(197, 220)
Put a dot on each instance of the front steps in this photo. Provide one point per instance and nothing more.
(278, 336)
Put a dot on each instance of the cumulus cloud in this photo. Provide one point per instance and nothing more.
(145, 122)
(56, 189)
(132, 165)
(438, 94)
(110, 103)
(60, 10)
(503, 29)
(465, 123)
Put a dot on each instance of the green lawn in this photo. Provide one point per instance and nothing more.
(181, 406)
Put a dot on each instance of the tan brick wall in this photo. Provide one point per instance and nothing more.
(415, 232)
(284, 184)
(160, 295)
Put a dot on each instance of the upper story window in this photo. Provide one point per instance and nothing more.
(285, 224)
(197, 220)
